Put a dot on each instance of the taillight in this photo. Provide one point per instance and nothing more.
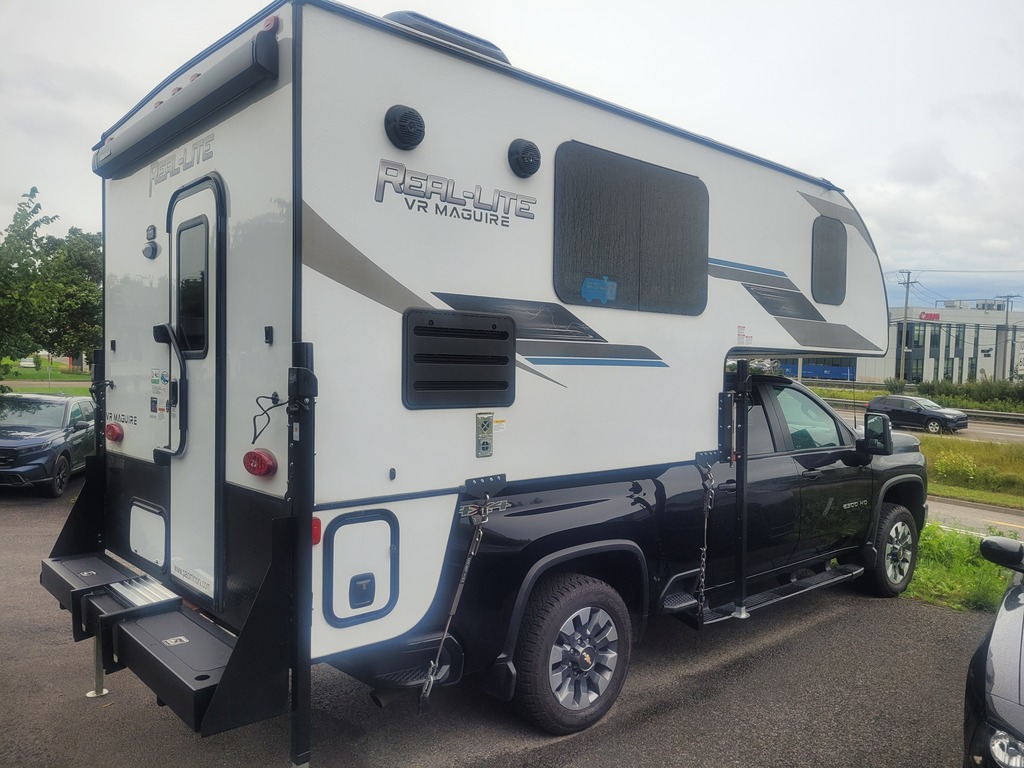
(260, 462)
(114, 433)
(316, 531)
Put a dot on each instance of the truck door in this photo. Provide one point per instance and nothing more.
(835, 488)
(773, 503)
(194, 337)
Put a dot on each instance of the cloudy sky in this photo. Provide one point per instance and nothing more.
(915, 107)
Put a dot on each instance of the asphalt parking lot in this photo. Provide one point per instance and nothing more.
(834, 678)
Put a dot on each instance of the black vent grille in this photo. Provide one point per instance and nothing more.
(458, 359)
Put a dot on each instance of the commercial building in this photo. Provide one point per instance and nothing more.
(958, 341)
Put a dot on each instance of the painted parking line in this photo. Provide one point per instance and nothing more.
(1009, 525)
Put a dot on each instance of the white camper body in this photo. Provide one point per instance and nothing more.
(599, 279)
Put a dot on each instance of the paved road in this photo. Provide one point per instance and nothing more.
(976, 517)
(834, 678)
(989, 432)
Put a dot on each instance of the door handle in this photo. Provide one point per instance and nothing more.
(810, 474)
(164, 334)
(729, 486)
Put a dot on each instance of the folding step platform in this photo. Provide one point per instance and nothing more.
(179, 655)
(684, 606)
(183, 657)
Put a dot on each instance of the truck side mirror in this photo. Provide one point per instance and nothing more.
(877, 440)
(1003, 551)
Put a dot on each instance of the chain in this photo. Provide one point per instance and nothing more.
(708, 481)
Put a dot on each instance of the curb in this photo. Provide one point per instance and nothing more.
(978, 505)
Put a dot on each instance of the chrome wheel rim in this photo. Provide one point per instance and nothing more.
(898, 550)
(583, 658)
(934, 427)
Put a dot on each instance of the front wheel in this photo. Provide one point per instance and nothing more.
(572, 654)
(933, 426)
(58, 481)
(896, 545)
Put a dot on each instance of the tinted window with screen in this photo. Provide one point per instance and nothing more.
(828, 261)
(629, 234)
(193, 265)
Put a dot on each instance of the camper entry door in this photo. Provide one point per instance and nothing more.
(195, 429)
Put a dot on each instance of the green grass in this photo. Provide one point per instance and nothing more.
(56, 389)
(856, 395)
(951, 572)
(987, 473)
(48, 372)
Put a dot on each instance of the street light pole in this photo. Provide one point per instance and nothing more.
(1004, 364)
(901, 368)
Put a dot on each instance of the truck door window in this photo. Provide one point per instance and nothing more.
(629, 234)
(809, 425)
(759, 437)
(193, 263)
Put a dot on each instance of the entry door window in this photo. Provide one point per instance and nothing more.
(193, 286)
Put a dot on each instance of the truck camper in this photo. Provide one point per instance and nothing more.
(415, 364)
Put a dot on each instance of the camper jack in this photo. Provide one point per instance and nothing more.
(528, 322)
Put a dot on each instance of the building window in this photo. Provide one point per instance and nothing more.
(916, 369)
(629, 234)
(918, 330)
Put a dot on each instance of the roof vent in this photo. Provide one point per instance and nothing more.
(434, 28)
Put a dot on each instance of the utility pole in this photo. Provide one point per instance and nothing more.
(901, 361)
(1004, 363)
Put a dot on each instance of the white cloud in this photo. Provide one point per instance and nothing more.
(913, 107)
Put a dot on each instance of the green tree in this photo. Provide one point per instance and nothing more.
(50, 287)
(19, 262)
(68, 293)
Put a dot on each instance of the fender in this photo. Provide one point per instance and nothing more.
(899, 480)
(868, 553)
(500, 678)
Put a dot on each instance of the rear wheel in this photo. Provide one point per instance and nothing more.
(896, 545)
(573, 653)
(58, 481)
(933, 426)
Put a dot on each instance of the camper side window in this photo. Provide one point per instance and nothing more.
(629, 234)
(193, 286)
(828, 261)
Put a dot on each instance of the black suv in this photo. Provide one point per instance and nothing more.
(44, 438)
(918, 412)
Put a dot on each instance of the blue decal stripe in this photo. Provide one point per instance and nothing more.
(747, 267)
(597, 361)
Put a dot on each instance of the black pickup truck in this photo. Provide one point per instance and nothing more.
(568, 573)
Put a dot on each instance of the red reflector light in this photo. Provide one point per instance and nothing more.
(114, 433)
(316, 531)
(260, 462)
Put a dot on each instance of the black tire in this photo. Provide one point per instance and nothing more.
(896, 545)
(572, 655)
(58, 481)
(933, 426)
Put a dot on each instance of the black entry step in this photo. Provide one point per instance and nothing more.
(179, 655)
(85, 584)
(826, 578)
